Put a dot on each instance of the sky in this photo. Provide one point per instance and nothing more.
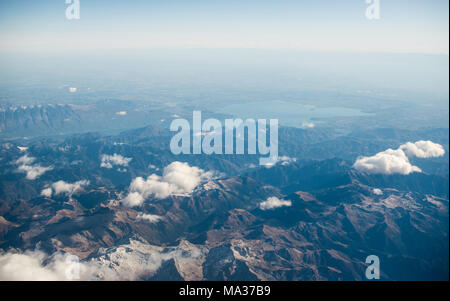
(405, 26)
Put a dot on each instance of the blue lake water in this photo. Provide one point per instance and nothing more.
(288, 113)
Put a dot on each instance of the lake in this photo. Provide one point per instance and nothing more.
(289, 113)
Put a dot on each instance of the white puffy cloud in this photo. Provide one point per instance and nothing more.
(62, 187)
(108, 161)
(37, 266)
(377, 191)
(133, 199)
(273, 203)
(388, 162)
(396, 161)
(423, 149)
(151, 166)
(33, 171)
(151, 218)
(47, 192)
(22, 148)
(177, 179)
(25, 160)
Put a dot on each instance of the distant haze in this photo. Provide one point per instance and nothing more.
(405, 26)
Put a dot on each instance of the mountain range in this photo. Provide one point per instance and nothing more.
(303, 219)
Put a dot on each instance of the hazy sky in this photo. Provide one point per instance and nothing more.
(406, 26)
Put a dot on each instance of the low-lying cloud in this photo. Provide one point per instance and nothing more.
(377, 191)
(22, 148)
(151, 218)
(396, 161)
(273, 203)
(32, 171)
(133, 261)
(29, 266)
(62, 187)
(177, 179)
(307, 125)
(283, 160)
(108, 161)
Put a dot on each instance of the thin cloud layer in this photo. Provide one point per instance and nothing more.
(108, 161)
(32, 171)
(273, 203)
(396, 161)
(178, 179)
